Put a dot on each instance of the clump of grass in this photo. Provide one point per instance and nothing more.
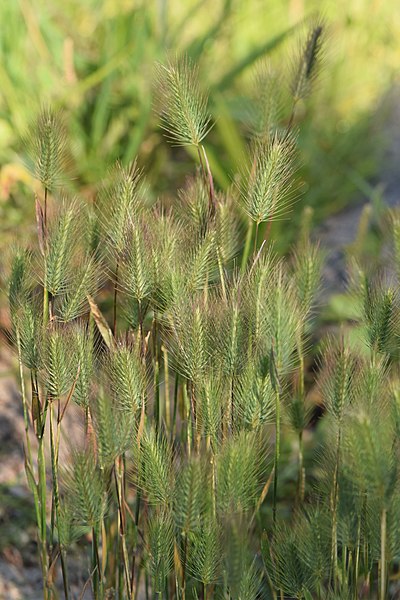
(187, 359)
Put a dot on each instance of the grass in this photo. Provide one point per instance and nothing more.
(203, 468)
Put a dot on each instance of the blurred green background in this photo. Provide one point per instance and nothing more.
(95, 60)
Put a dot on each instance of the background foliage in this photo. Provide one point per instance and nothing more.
(95, 59)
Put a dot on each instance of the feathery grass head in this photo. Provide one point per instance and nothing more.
(86, 490)
(61, 247)
(285, 564)
(240, 466)
(242, 570)
(161, 547)
(29, 327)
(211, 398)
(183, 106)
(19, 282)
(307, 262)
(127, 377)
(192, 498)
(282, 322)
(339, 366)
(381, 312)
(48, 148)
(254, 398)
(120, 203)
(114, 428)
(188, 323)
(307, 62)
(83, 350)
(266, 109)
(372, 452)
(193, 206)
(155, 470)
(205, 552)
(82, 282)
(136, 276)
(58, 361)
(269, 191)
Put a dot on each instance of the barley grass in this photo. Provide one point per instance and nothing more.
(187, 358)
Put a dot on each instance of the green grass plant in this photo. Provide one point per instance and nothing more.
(188, 360)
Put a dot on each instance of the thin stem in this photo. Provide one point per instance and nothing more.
(335, 499)
(97, 584)
(166, 390)
(176, 390)
(24, 401)
(137, 515)
(119, 477)
(64, 570)
(42, 503)
(115, 298)
(208, 178)
(247, 246)
(357, 559)
(256, 238)
(45, 291)
(45, 210)
(156, 369)
(301, 475)
(301, 468)
(277, 451)
(383, 555)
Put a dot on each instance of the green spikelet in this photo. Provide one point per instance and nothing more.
(205, 552)
(230, 324)
(155, 468)
(114, 428)
(254, 398)
(120, 203)
(86, 490)
(283, 320)
(202, 263)
(266, 110)
(337, 378)
(29, 329)
(164, 250)
(243, 576)
(305, 66)
(48, 148)
(191, 498)
(210, 402)
(369, 444)
(228, 231)
(240, 465)
(381, 314)
(136, 276)
(161, 550)
(67, 528)
(307, 273)
(61, 247)
(84, 364)
(193, 206)
(269, 190)
(84, 283)
(285, 563)
(189, 323)
(127, 377)
(58, 362)
(19, 281)
(183, 106)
